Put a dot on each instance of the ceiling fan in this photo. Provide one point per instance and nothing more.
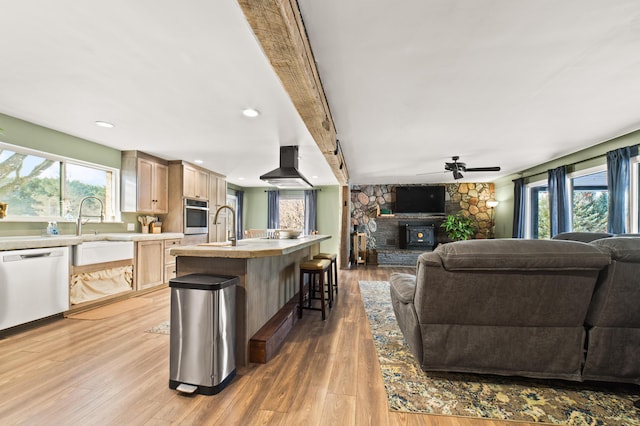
(457, 168)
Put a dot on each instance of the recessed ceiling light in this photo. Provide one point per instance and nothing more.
(104, 124)
(198, 161)
(314, 177)
(241, 178)
(250, 112)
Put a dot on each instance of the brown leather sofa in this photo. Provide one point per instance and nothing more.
(505, 306)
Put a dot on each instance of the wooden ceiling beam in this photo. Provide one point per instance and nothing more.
(278, 27)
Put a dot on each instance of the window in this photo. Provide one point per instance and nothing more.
(634, 200)
(538, 225)
(42, 186)
(291, 210)
(589, 201)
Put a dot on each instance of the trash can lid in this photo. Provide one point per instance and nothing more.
(204, 281)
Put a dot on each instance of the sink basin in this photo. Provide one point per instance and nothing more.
(91, 252)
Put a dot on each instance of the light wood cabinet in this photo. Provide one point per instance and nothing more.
(169, 260)
(195, 183)
(145, 183)
(149, 271)
(217, 198)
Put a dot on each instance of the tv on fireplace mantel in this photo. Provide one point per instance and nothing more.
(420, 199)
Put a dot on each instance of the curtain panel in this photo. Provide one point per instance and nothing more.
(239, 208)
(310, 211)
(618, 181)
(519, 208)
(559, 218)
(273, 210)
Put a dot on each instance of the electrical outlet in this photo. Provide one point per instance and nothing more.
(131, 226)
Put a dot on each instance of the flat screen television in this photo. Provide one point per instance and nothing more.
(420, 199)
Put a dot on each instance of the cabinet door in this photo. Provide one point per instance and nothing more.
(149, 263)
(145, 185)
(160, 188)
(189, 181)
(217, 198)
(202, 185)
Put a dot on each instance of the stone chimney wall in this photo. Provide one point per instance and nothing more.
(367, 201)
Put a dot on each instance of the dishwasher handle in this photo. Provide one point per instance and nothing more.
(18, 257)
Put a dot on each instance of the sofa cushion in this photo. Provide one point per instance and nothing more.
(585, 237)
(519, 254)
(622, 248)
(404, 285)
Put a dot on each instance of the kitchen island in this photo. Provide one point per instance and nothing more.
(268, 270)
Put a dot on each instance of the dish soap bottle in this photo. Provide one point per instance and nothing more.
(52, 228)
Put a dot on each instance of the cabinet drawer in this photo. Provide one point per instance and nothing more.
(169, 272)
(168, 258)
(168, 245)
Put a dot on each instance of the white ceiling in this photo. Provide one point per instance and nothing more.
(410, 84)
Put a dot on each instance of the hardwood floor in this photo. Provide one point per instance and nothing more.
(110, 371)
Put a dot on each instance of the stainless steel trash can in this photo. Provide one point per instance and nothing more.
(202, 333)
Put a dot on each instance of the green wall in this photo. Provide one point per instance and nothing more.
(255, 213)
(504, 186)
(29, 135)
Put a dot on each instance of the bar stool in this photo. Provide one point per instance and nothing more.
(316, 270)
(334, 264)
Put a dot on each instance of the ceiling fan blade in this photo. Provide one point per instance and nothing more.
(431, 173)
(483, 169)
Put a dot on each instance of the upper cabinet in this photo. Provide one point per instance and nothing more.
(195, 182)
(145, 182)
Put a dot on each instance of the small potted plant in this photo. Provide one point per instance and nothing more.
(458, 227)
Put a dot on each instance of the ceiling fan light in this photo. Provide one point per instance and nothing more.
(457, 175)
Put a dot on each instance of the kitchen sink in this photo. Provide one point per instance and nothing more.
(91, 252)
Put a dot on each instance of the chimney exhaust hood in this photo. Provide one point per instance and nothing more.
(287, 175)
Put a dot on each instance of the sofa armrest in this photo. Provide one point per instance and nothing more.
(403, 286)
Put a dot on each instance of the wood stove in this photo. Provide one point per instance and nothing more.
(419, 237)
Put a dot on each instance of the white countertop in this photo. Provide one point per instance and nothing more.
(36, 241)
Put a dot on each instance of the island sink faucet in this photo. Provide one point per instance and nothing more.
(233, 239)
(79, 230)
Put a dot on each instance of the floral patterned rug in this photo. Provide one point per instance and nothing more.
(413, 390)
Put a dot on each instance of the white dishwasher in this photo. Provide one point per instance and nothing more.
(34, 284)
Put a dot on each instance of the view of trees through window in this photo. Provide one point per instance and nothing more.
(589, 206)
(541, 227)
(32, 186)
(291, 211)
(590, 203)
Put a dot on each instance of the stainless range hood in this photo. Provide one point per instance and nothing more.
(287, 175)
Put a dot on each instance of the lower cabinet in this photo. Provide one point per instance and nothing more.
(149, 270)
(170, 261)
(154, 263)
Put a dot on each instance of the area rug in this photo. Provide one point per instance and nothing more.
(413, 390)
(162, 328)
(112, 309)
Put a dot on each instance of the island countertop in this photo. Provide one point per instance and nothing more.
(249, 248)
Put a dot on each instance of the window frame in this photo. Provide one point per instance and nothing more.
(634, 196)
(292, 195)
(532, 187)
(580, 173)
(115, 184)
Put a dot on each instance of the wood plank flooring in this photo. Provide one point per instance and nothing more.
(110, 372)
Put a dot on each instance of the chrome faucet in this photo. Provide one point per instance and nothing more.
(79, 231)
(234, 241)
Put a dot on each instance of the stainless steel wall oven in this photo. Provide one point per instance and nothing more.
(196, 216)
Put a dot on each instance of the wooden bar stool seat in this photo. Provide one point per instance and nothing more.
(334, 265)
(316, 269)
